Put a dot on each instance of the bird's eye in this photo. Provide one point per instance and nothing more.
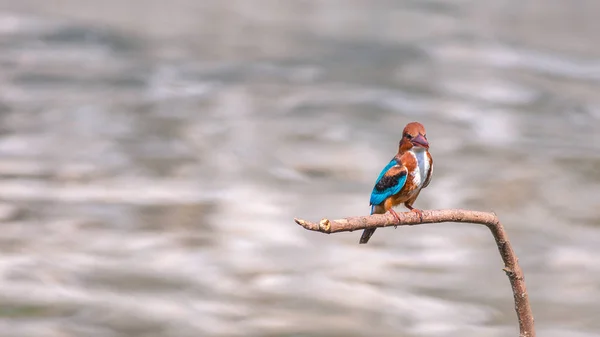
(407, 136)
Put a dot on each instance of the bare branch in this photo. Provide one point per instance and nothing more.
(490, 220)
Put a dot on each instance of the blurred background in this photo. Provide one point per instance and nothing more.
(153, 155)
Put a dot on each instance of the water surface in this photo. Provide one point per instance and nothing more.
(153, 155)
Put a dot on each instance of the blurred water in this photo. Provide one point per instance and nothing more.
(153, 155)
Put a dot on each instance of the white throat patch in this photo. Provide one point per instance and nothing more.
(422, 169)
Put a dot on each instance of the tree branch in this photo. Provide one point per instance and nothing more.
(490, 220)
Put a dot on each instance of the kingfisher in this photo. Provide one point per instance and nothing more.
(403, 177)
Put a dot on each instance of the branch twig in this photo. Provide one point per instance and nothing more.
(490, 220)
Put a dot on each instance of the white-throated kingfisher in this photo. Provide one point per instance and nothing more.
(404, 176)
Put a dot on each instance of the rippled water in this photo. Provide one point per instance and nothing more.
(153, 155)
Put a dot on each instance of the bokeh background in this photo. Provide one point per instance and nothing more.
(154, 153)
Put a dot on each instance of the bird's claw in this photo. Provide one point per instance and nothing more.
(419, 212)
(395, 216)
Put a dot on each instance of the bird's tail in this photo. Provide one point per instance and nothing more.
(367, 233)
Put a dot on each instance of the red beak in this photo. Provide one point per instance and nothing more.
(420, 141)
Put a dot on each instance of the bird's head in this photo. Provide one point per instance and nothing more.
(414, 136)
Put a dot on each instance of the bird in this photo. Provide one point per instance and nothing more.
(402, 179)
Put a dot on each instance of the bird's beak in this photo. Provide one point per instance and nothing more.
(420, 141)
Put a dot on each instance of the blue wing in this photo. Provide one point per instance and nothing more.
(390, 181)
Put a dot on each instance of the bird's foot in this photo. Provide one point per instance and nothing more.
(395, 216)
(419, 212)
